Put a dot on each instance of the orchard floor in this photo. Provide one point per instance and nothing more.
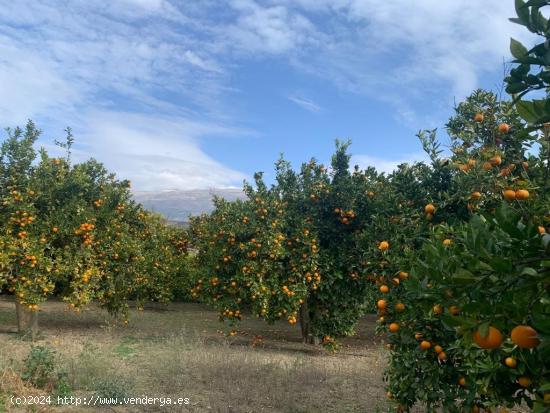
(180, 351)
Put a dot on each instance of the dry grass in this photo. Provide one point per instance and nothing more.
(177, 351)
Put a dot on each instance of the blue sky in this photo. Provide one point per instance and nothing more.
(201, 94)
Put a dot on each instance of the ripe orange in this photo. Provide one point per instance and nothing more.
(511, 362)
(522, 194)
(437, 309)
(495, 160)
(475, 195)
(399, 307)
(509, 194)
(418, 336)
(447, 242)
(438, 349)
(479, 117)
(454, 310)
(525, 337)
(542, 230)
(487, 166)
(384, 289)
(492, 341)
(381, 304)
(425, 345)
(429, 209)
(394, 327)
(384, 245)
(524, 381)
(503, 128)
(442, 356)
(462, 381)
(403, 275)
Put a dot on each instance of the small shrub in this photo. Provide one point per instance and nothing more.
(112, 387)
(63, 387)
(39, 366)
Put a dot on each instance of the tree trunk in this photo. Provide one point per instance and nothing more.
(305, 323)
(27, 321)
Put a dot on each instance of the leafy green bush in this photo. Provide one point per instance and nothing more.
(39, 366)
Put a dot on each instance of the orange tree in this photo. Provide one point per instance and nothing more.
(73, 230)
(476, 265)
(288, 251)
(474, 330)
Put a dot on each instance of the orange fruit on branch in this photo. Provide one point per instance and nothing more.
(503, 128)
(429, 209)
(511, 362)
(394, 327)
(509, 194)
(524, 381)
(491, 341)
(525, 337)
(495, 160)
(522, 194)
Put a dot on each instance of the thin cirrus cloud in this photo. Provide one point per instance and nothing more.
(111, 66)
(306, 104)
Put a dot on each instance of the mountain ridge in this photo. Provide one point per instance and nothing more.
(177, 205)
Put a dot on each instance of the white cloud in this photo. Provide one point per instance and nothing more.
(78, 62)
(271, 29)
(408, 52)
(387, 165)
(306, 104)
(156, 153)
(77, 65)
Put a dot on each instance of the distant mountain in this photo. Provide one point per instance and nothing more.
(177, 205)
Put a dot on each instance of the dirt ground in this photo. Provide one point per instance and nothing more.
(179, 351)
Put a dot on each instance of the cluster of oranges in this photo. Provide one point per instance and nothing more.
(287, 291)
(345, 217)
(520, 194)
(84, 231)
(22, 218)
(30, 260)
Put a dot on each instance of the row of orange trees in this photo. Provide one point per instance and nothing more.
(72, 230)
(288, 251)
(453, 254)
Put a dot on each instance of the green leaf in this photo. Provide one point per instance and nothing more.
(523, 12)
(514, 88)
(532, 111)
(484, 329)
(529, 271)
(517, 49)
(464, 276)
